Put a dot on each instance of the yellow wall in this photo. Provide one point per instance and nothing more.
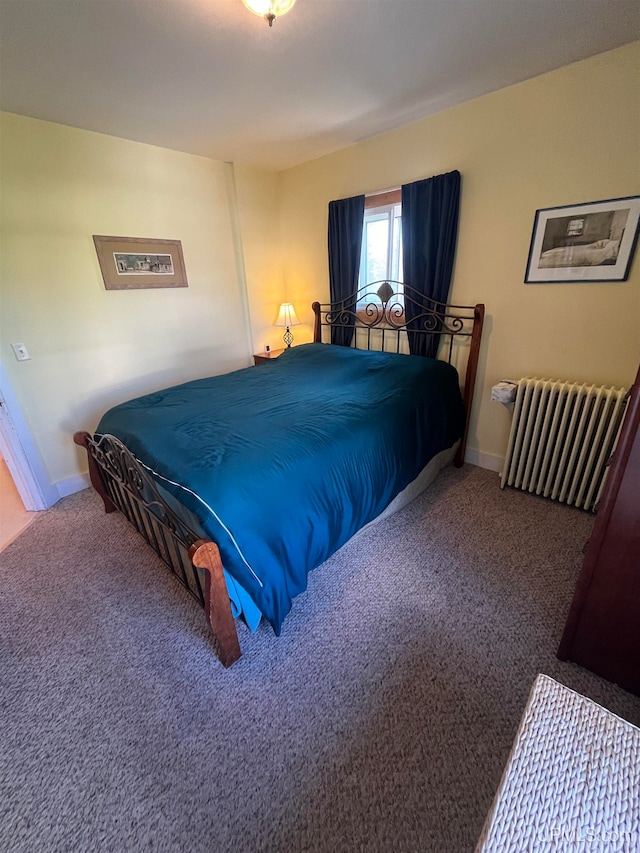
(258, 213)
(566, 137)
(91, 348)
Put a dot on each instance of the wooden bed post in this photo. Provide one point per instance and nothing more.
(317, 331)
(205, 555)
(470, 378)
(83, 439)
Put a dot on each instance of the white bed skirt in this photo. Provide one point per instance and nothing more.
(416, 487)
(241, 602)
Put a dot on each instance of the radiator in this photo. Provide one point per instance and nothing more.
(561, 438)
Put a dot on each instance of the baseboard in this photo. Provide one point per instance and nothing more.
(490, 461)
(72, 485)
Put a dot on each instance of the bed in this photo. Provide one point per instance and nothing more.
(243, 483)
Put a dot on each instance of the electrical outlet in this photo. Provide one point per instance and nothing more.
(20, 351)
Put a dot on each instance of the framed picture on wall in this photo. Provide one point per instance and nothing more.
(584, 242)
(133, 263)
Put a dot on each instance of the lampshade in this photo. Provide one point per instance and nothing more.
(269, 9)
(287, 316)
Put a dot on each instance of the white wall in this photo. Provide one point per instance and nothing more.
(91, 348)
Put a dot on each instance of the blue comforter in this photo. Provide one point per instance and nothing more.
(286, 461)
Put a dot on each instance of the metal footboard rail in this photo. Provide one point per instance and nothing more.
(126, 486)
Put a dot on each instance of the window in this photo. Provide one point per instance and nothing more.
(381, 256)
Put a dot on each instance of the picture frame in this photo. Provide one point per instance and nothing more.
(594, 241)
(134, 263)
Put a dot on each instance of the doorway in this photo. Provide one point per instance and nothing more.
(23, 473)
(14, 517)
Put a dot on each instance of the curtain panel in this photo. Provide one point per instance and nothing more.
(430, 211)
(346, 218)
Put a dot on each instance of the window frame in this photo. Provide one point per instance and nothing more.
(383, 205)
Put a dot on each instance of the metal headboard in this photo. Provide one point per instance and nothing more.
(380, 315)
(378, 308)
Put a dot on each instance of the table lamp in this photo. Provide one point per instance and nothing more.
(287, 317)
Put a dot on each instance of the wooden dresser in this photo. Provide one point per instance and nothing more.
(602, 632)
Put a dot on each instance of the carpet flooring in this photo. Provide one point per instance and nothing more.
(380, 720)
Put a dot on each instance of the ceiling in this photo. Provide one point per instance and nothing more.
(210, 78)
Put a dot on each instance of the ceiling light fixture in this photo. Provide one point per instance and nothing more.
(269, 9)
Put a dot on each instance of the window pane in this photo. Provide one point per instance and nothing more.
(381, 257)
(377, 242)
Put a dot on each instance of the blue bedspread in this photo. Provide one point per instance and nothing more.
(288, 460)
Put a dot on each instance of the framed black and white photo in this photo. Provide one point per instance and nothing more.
(584, 242)
(133, 263)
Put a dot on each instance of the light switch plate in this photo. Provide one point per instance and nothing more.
(20, 351)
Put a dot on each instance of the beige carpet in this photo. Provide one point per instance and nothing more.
(381, 719)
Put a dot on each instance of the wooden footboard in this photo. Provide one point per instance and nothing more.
(124, 485)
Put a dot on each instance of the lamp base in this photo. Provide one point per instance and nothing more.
(287, 338)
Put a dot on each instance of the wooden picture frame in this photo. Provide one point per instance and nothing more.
(584, 242)
(134, 263)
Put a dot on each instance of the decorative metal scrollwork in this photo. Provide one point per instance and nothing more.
(339, 318)
(385, 292)
(117, 463)
(385, 308)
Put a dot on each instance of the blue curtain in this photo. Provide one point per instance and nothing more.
(429, 232)
(346, 218)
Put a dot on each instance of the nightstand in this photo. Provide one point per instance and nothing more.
(264, 357)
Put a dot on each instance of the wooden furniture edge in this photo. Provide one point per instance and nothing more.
(612, 485)
(206, 555)
(317, 328)
(470, 378)
(264, 357)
